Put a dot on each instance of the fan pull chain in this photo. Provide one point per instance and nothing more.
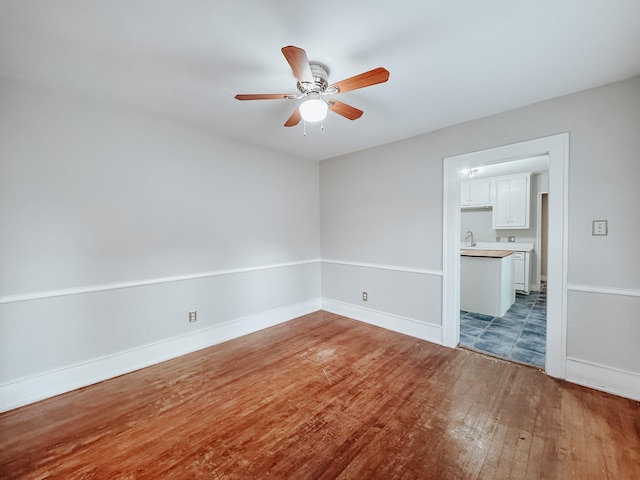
(304, 128)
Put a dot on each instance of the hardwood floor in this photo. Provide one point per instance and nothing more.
(325, 397)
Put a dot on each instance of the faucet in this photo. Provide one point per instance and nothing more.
(468, 236)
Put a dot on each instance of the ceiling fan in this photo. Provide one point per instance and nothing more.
(314, 89)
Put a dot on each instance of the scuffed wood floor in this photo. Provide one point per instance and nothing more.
(325, 397)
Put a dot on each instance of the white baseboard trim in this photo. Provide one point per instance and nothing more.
(610, 380)
(408, 326)
(38, 387)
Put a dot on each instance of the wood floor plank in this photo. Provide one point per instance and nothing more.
(326, 397)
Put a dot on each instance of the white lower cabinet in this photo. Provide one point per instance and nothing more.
(486, 285)
(521, 272)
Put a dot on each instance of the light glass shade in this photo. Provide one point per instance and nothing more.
(313, 110)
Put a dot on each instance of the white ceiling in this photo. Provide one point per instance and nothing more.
(450, 60)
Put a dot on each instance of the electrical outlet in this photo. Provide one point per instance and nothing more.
(365, 296)
(193, 316)
(599, 228)
(498, 239)
(512, 239)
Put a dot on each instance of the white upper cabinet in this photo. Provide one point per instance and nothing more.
(475, 193)
(511, 207)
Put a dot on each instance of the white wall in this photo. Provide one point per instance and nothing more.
(480, 222)
(114, 224)
(391, 199)
(376, 230)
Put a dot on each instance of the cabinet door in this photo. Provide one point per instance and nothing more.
(464, 194)
(502, 207)
(475, 193)
(519, 203)
(511, 205)
(480, 193)
(519, 273)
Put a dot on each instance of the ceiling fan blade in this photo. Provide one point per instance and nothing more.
(372, 77)
(347, 111)
(264, 96)
(294, 119)
(299, 63)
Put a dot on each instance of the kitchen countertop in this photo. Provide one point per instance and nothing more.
(486, 253)
(518, 247)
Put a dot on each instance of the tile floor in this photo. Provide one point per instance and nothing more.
(518, 335)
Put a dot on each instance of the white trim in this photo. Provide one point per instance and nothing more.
(607, 379)
(558, 182)
(141, 283)
(557, 147)
(627, 292)
(407, 326)
(378, 266)
(537, 281)
(451, 218)
(38, 387)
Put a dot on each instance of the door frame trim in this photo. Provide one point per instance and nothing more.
(557, 148)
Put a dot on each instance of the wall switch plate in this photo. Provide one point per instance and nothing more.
(599, 228)
(365, 297)
(193, 316)
(512, 239)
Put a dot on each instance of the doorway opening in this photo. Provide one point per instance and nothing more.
(518, 331)
(556, 147)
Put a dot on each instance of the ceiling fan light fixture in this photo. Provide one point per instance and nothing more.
(314, 109)
(470, 172)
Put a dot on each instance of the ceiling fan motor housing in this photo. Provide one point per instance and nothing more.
(320, 83)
